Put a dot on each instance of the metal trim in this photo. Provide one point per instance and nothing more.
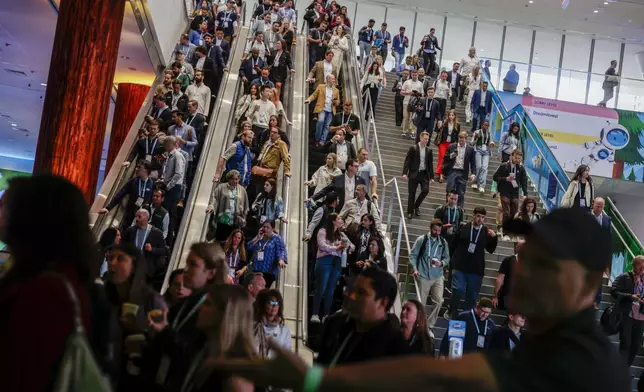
(413, 33)
(619, 71)
(473, 32)
(561, 54)
(534, 37)
(590, 69)
(440, 58)
(498, 76)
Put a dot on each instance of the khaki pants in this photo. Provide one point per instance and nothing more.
(407, 125)
(434, 289)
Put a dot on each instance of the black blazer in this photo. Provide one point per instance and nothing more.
(156, 258)
(499, 340)
(449, 78)
(225, 48)
(279, 73)
(139, 151)
(412, 162)
(246, 69)
(216, 54)
(505, 187)
(622, 290)
(337, 186)
(433, 108)
(469, 164)
(442, 133)
(208, 71)
(333, 147)
(182, 103)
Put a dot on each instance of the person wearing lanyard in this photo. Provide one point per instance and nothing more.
(478, 327)
(428, 257)
(511, 178)
(150, 241)
(139, 193)
(228, 21)
(470, 243)
(482, 144)
(175, 337)
(345, 120)
(429, 115)
(269, 252)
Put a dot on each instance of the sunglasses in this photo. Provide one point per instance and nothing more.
(273, 303)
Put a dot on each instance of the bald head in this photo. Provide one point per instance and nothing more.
(142, 218)
(598, 206)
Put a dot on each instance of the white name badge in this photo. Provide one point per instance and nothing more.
(483, 147)
(428, 114)
(148, 158)
(162, 373)
(231, 204)
(450, 231)
(254, 71)
(400, 46)
(225, 25)
(262, 219)
(139, 202)
(514, 184)
(582, 202)
(471, 248)
(480, 341)
(260, 255)
(271, 45)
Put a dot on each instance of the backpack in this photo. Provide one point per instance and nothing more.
(78, 370)
(423, 245)
(611, 320)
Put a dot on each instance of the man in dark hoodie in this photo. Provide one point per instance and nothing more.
(367, 332)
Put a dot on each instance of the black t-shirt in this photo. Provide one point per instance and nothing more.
(352, 120)
(573, 356)
(507, 265)
(581, 194)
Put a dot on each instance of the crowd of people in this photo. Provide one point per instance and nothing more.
(221, 306)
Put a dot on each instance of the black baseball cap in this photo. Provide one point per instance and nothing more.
(568, 234)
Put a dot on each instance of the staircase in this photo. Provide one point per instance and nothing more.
(393, 148)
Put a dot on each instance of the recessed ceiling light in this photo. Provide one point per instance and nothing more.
(14, 124)
(530, 1)
(605, 3)
(596, 11)
(43, 84)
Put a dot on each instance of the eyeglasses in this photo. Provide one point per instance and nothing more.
(273, 303)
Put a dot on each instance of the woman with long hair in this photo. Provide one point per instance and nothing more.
(338, 44)
(510, 141)
(581, 191)
(345, 16)
(268, 205)
(473, 84)
(413, 324)
(448, 134)
(373, 257)
(235, 251)
(370, 85)
(383, 74)
(244, 103)
(229, 206)
(331, 243)
(367, 230)
(281, 115)
(45, 224)
(269, 322)
(324, 174)
(528, 210)
(226, 318)
(177, 290)
(280, 67)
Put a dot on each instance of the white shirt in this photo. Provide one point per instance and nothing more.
(201, 94)
(443, 89)
(342, 151)
(460, 157)
(468, 63)
(598, 217)
(410, 86)
(349, 188)
(367, 170)
(328, 69)
(483, 96)
(328, 99)
(453, 84)
(422, 158)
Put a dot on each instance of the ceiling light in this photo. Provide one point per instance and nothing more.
(530, 1)
(596, 11)
(605, 3)
(14, 124)
(43, 84)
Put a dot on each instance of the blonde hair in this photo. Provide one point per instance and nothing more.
(333, 156)
(214, 258)
(638, 260)
(456, 123)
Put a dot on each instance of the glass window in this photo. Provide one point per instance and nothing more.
(424, 22)
(572, 86)
(488, 46)
(517, 52)
(605, 52)
(632, 68)
(543, 78)
(458, 39)
(395, 19)
(631, 89)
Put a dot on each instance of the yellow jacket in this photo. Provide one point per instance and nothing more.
(320, 96)
(272, 156)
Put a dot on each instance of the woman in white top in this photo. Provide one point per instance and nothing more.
(443, 91)
(269, 323)
(383, 73)
(324, 175)
(242, 112)
(338, 44)
(580, 192)
(370, 85)
(473, 84)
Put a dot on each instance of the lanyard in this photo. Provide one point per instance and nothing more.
(336, 357)
(476, 324)
(190, 120)
(145, 236)
(232, 262)
(176, 327)
(253, 64)
(449, 216)
(148, 151)
(472, 234)
(431, 242)
(431, 103)
(348, 119)
(485, 137)
(226, 17)
(145, 187)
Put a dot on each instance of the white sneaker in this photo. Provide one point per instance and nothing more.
(315, 318)
(431, 333)
(475, 186)
(468, 121)
(481, 190)
(447, 315)
(412, 136)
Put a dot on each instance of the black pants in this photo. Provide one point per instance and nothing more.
(429, 62)
(458, 182)
(269, 278)
(398, 102)
(461, 92)
(422, 179)
(443, 105)
(373, 93)
(630, 338)
(172, 197)
(453, 98)
(223, 232)
(505, 157)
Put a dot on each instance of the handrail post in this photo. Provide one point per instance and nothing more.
(391, 205)
(398, 241)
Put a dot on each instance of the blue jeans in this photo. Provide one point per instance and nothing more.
(365, 48)
(467, 286)
(478, 115)
(398, 58)
(482, 159)
(327, 275)
(322, 126)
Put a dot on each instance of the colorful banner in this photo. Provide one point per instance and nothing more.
(609, 141)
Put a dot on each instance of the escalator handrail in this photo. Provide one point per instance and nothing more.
(192, 203)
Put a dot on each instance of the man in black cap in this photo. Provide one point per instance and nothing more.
(561, 267)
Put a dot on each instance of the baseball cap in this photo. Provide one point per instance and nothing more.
(568, 234)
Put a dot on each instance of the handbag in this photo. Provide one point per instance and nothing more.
(262, 171)
(611, 320)
(78, 371)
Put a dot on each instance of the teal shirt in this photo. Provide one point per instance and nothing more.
(421, 259)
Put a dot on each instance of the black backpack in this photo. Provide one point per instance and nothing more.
(423, 245)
